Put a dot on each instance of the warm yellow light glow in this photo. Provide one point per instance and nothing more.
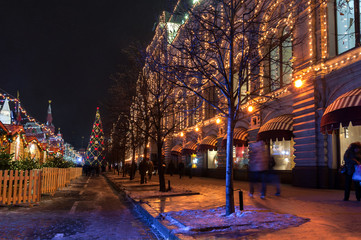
(218, 121)
(181, 134)
(197, 129)
(148, 145)
(250, 109)
(298, 83)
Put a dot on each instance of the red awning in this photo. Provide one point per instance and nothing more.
(208, 143)
(345, 109)
(277, 128)
(189, 148)
(239, 137)
(176, 150)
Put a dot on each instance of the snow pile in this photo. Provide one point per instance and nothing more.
(214, 220)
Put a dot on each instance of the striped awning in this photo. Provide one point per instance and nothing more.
(176, 150)
(189, 148)
(208, 143)
(239, 137)
(345, 109)
(277, 128)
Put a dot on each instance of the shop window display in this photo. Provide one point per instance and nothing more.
(282, 152)
(347, 136)
(240, 157)
(212, 159)
(194, 160)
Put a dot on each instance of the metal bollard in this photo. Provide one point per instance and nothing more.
(240, 200)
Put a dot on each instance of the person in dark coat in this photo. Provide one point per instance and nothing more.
(272, 176)
(352, 157)
(143, 168)
(181, 169)
(150, 169)
(171, 168)
(258, 167)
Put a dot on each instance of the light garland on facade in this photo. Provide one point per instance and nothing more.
(324, 29)
(310, 30)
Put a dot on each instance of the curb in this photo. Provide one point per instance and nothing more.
(147, 212)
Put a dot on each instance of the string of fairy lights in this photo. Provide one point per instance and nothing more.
(27, 116)
(324, 66)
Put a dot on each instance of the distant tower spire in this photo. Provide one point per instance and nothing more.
(49, 119)
(18, 117)
(5, 114)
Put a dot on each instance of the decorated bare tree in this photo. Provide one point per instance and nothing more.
(239, 50)
(155, 113)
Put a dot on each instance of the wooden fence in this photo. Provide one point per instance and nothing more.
(19, 186)
(26, 186)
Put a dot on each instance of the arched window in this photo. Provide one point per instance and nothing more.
(280, 61)
(347, 24)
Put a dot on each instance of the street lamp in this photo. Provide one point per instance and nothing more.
(298, 83)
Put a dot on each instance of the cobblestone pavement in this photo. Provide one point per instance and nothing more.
(330, 217)
(88, 209)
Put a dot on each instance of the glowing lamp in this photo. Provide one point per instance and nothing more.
(298, 83)
(250, 109)
(218, 121)
(197, 129)
(181, 134)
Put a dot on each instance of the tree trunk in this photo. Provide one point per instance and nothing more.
(229, 168)
(132, 165)
(161, 168)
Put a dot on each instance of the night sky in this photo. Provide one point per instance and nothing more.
(65, 50)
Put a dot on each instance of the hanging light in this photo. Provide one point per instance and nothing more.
(197, 129)
(218, 121)
(181, 134)
(250, 108)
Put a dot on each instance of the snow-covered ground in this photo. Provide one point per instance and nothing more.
(194, 217)
(191, 222)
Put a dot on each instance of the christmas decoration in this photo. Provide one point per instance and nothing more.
(95, 149)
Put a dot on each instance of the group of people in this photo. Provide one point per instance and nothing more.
(91, 170)
(260, 168)
(352, 158)
(261, 165)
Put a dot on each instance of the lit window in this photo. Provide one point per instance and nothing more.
(347, 13)
(280, 62)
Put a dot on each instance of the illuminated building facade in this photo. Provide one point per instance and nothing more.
(316, 111)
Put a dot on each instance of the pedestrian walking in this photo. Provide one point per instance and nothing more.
(133, 170)
(189, 166)
(181, 169)
(352, 158)
(171, 168)
(117, 168)
(150, 169)
(143, 167)
(272, 175)
(258, 167)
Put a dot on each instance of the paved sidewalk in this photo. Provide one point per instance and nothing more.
(330, 217)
